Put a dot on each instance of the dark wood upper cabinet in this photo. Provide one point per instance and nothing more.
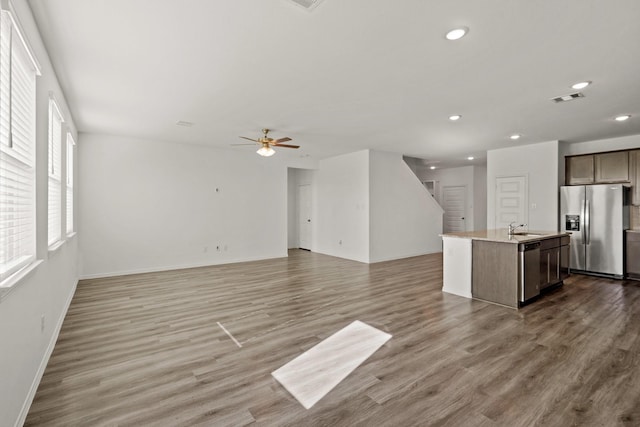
(612, 167)
(604, 168)
(580, 170)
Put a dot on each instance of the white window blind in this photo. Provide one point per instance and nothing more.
(55, 173)
(17, 149)
(70, 149)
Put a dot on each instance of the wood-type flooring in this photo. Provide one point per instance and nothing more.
(147, 350)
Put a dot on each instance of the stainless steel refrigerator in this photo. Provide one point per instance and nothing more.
(596, 216)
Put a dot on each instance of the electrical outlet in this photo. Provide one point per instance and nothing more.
(206, 249)
(340, 242)
(42, 323)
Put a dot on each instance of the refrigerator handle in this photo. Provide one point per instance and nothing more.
(583, 221)
(587, 222)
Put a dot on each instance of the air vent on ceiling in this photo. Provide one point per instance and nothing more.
(184, 123)
(570, 97)
(307, 4)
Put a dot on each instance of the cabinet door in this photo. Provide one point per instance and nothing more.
(612, 167)
(634, 176)
(544, 268)
(579, 170)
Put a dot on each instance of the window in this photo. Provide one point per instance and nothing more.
(55, 173)
(70, 147)
(18, 71)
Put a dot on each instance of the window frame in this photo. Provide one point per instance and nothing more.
(70, 176)
(18, 72)
(55, 235)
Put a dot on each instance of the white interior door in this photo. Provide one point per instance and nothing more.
(454, 205)
(304, 216)
(511, 200)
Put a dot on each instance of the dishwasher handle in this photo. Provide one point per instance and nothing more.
(524, 247)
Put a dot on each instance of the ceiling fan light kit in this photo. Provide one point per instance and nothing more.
(266, 151)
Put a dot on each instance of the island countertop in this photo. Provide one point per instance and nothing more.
(501, 235)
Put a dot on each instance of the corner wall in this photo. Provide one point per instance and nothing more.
(372, 207)
(404, 219)
(343, 207)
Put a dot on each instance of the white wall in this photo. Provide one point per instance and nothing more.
(47, 290)
(404, 219)
(473, 178)
(600, 145)
(150, 206)
(539, 162)
(479, 197)
(343, 207)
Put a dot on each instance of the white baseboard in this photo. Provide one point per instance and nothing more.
(403, 256)
(382, 259)
(45, 360)
(173, 267)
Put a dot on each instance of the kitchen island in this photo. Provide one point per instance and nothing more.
(494, 266)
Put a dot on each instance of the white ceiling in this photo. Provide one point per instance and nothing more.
(351, 74)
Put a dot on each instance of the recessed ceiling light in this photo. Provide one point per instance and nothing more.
(515, 136)
(581, 85)
(455, 117)
(432, 167)
(623, 118)
(457, 33)
(470, 158)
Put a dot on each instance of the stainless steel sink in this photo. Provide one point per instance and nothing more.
(527, 234)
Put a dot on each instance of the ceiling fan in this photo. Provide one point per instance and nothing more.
(267, 143)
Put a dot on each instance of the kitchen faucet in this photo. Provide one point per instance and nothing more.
(513, 228)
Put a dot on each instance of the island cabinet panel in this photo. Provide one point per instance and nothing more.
(579, 170)
(550, 262)
(493, 266)
(612, 167)
(633, 255)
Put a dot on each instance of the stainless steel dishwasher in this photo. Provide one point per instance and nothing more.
(529, 271)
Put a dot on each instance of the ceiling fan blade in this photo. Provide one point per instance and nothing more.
(254, 140)
(285, 139)
(286, 145)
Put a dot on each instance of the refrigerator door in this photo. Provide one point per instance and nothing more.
(605, 229)
(572, 211)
